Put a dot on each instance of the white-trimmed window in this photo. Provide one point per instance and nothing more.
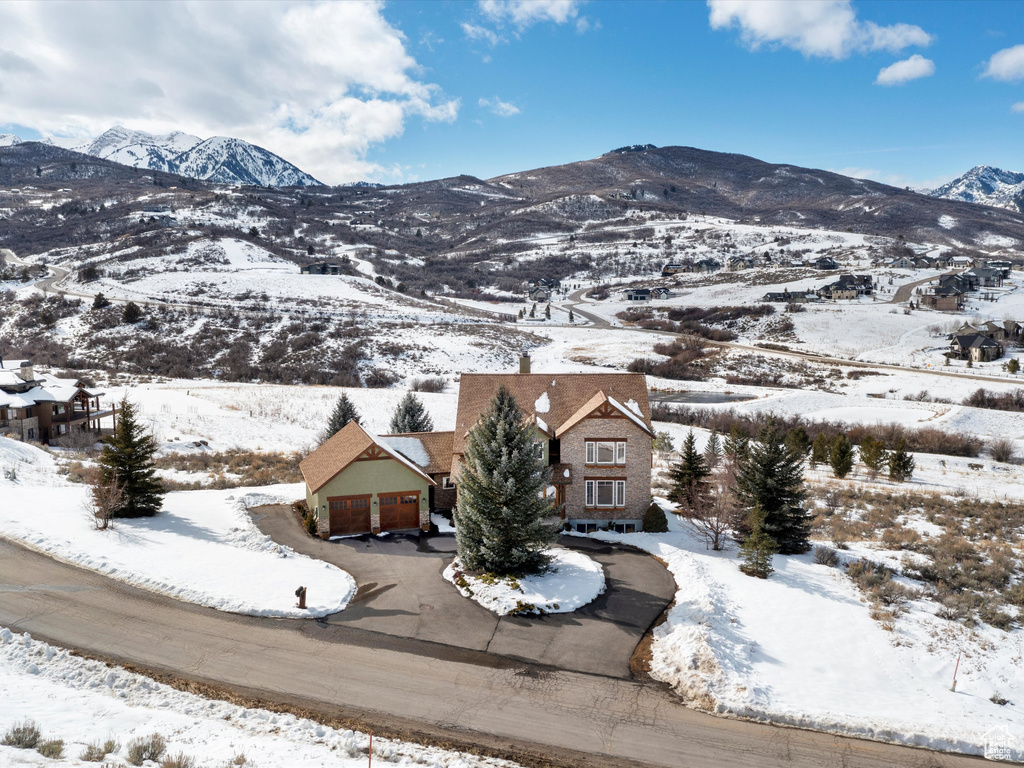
(606, 452)
(538, 451)
(610, 494)
(446, 483)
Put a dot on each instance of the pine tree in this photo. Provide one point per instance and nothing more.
(1013, 366)
(572, 317)
(411, 416)
(127, 463)
(100, 301)
(547, 311)
(131, 314)
(713, 450)
(901, 462)
(819, 450)
(840, 455)
(689, 476)
(757, 549)
(873, 455)
(798, 441)
(501, 514)
(344, 412)
(737, 443)
(771, 479)
(533, 311)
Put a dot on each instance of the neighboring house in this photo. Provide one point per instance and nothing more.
(961, 262)
(707, 265)
(904, 262)
(322, 268)
(1013, 329)
(785, 297)
(986, 277)
(974, 347)
(593, 430)
(164, 220)
(847, 287)
(672, 269)
(662, 293)
(737, 263)
(43, 408)
(950, 303)
(550, 283)
(638, 294)
(826, 263)
(1005, 267)
(357, 482)
(539, 293)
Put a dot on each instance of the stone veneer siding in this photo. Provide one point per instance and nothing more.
(637, 469)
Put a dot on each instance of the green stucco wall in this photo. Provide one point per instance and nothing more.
(372, 478)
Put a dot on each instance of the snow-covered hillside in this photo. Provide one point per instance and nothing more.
(219, 159)
(986, 185)
(8, 140)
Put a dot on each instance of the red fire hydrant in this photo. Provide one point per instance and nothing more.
(301, 594)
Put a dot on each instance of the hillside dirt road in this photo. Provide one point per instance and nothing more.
(421, 691)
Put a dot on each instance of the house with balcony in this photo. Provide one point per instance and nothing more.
(42, 408)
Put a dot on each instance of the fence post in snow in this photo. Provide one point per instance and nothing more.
(957, 669)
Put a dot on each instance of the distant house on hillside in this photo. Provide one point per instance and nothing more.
(987, 277)
(847, 287)
(904, 262)
(323, 268)
(43, 408)
(662, 293)
(825, 263)
(961, 262)
(1005, 267)
(672, 269)
(638, 294)
(539, 293)
(974, 347)
(707, 265)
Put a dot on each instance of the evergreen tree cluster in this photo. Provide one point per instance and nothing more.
(126, 464)
(411, 416)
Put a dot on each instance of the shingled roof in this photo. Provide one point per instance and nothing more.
(437, 445)
(566, 394)
(347, 445)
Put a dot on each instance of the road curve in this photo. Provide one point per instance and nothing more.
(552, 716)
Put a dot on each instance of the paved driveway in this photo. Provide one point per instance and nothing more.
(401, 593)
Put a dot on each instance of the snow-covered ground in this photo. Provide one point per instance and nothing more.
(801, 648)
(83, 702)
(573, 581)
(202, 548)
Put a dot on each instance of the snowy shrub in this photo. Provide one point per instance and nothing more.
(149, 748)
(655, 520)
(179, 760)
(95, 752)
(826, 556)
(429, 384)
(53, 749)
(24, 735)
(1002, 450)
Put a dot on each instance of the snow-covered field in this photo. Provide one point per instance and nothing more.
(202, 548)
(83, 702)
(801, 648)
(573, 581)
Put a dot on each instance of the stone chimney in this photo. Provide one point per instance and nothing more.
(524, 362)
(26, 373)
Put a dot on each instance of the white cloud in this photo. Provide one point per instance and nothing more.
(499, 107)
(914, 68)
(826, 28)
(1018, 107)
(523, 13)
(1007, 64)
(317, 83)
(476, 32)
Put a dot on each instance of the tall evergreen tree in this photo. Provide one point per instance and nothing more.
(798, 441)
(819, 450)
(873, 455)
(126, 462)
(689, 476)
(344, 412)
(411, 416)
(501, 516)
(713, 450)
(770, 479)
(840, 455)
(737, 443)
(901, 462)
(757, 549)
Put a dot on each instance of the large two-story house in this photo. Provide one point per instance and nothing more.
(592, 429)
(43, 407)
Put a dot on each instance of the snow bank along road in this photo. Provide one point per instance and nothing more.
(549, 716)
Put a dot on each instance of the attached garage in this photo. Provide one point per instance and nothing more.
(348, 514)
(356, 483)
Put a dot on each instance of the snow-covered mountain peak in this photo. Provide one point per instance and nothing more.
(220, 158)
(986, 185)
(8, 140)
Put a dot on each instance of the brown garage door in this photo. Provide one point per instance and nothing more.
(349, 514)
(399, 510)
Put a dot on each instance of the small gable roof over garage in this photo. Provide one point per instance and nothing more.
(348, 445)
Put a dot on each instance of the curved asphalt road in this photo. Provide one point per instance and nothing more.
(554, 717)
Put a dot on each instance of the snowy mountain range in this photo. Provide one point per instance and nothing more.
(986, 185)
(220, 159)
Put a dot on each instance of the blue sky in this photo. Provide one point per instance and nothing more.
(418, 90)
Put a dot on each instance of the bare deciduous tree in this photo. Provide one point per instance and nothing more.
(104, 501)
(713, 513)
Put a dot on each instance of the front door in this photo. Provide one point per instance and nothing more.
(399, 510)
(349, 515)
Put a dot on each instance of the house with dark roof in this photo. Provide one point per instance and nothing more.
(42, 407)
(825, 263)
(672, 268)
(593, 430)
(638, 294)
(974, 347)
